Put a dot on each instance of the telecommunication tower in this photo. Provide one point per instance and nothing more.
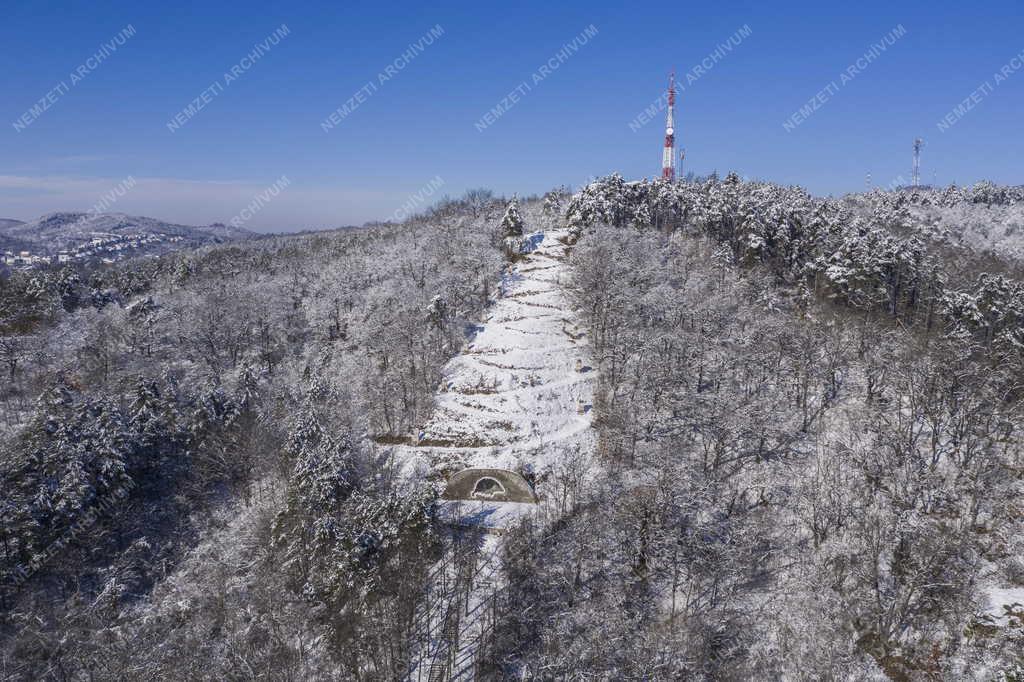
(918, 143)
(668, 159)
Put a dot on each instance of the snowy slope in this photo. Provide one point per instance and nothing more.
(454, 629)
(518, 397)
(520, 393)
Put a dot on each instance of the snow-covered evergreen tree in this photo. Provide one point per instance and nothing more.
(512, 222)
(512, 230)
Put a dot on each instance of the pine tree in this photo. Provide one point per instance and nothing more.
(512, 230)
(512, 223)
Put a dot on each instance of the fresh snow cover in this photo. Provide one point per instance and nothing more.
(463, 584)
(457, 614)
(483, 514)
(520, 393)
(61, 230)
(518, 397)
(1003, 600)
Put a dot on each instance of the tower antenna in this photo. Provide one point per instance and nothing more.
(668, 159)
(918, 143)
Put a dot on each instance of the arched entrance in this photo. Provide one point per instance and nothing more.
(490, 485)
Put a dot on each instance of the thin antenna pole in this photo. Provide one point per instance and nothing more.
(918, 143)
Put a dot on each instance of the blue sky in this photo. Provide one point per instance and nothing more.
(419, 124)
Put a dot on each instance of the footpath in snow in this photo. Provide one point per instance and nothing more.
(518, 397)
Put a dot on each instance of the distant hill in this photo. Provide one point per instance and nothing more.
(70, 231)
(12, 243)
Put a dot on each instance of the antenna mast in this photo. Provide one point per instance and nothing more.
(918, 143)
(668, 159)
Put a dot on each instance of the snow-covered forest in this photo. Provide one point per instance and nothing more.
(190, 487)
(805, 457)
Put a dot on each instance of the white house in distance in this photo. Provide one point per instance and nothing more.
(25, 258)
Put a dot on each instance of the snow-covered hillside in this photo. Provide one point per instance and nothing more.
(68, 230)
(996, 228)
(520, 393)
(519, 397)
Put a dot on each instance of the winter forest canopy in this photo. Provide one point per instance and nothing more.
(807, 420)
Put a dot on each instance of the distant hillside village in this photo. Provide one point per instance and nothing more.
(105, 246)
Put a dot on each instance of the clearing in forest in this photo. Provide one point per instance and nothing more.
(519, 395)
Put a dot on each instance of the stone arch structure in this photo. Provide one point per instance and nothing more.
(488, 488)
(489, 485)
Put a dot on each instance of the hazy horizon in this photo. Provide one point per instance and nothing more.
(361, 112)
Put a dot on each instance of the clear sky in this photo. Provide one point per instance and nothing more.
(421, 123)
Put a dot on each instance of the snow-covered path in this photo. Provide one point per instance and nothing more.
(521, 390)
(455, 628)
(518, 397)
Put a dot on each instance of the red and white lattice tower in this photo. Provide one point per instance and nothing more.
(668, 160)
